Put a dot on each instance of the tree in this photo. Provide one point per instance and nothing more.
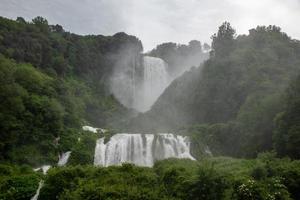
(223, 41)
(206, 47)
(41, 23)
(210, 185)
(195, 46)
(57, 28)
(21, 20)
(287, 133)
(60, 65)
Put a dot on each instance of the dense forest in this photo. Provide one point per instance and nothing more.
(242, 101)
(179, 57)
(242, 105)
(52, 83)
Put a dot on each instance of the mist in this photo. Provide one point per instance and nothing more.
(139, 79)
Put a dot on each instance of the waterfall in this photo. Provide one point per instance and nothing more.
(138, 85)
(141, 149)
(36, 196)
(44, 168)
(63, 158)
(156, 80)
(94, 130)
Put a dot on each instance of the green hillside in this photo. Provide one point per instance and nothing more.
(233, 99)
(52, 83)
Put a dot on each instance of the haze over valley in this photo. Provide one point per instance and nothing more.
(149, 100)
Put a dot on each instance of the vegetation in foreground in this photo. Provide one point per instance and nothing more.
(264, 178)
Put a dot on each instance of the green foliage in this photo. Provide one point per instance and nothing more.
(176, 176)
(231, 101)
(18, 183)
(212, 178)
(19, 188)
(52, 83)
(272, 189)
(210, 185)
(287, 133)
(259, 172)
(180, 57)
(101, 183)
(82, 144)
(290, 173)
(41, 23)
(28, 107)
(223, 41)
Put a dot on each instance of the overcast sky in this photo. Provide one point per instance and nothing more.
(157, 21)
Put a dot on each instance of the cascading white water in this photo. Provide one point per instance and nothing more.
(141, 149)
(36, 196)
(156, 80)
(139, 85)
(63, 158)
(44, 168)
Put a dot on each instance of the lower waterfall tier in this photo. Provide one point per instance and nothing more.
(141, 149)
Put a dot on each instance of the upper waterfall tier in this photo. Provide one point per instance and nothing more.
(156, 80)
(137, 83)
(141, 149)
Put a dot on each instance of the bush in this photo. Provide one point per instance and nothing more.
(259, 173)
(19, 187)
(271, 189)
(210, 185)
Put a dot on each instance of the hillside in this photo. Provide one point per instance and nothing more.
(234, 96)
(52, 83)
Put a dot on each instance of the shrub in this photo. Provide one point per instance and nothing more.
(210, 185)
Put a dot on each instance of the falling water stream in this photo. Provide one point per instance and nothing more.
(141, 149)
(63, 158)
(37, 193)
(138, 86)
(156, 80)
(62, 161)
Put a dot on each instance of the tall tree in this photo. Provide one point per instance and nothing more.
(223, 41)
(41, 23)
